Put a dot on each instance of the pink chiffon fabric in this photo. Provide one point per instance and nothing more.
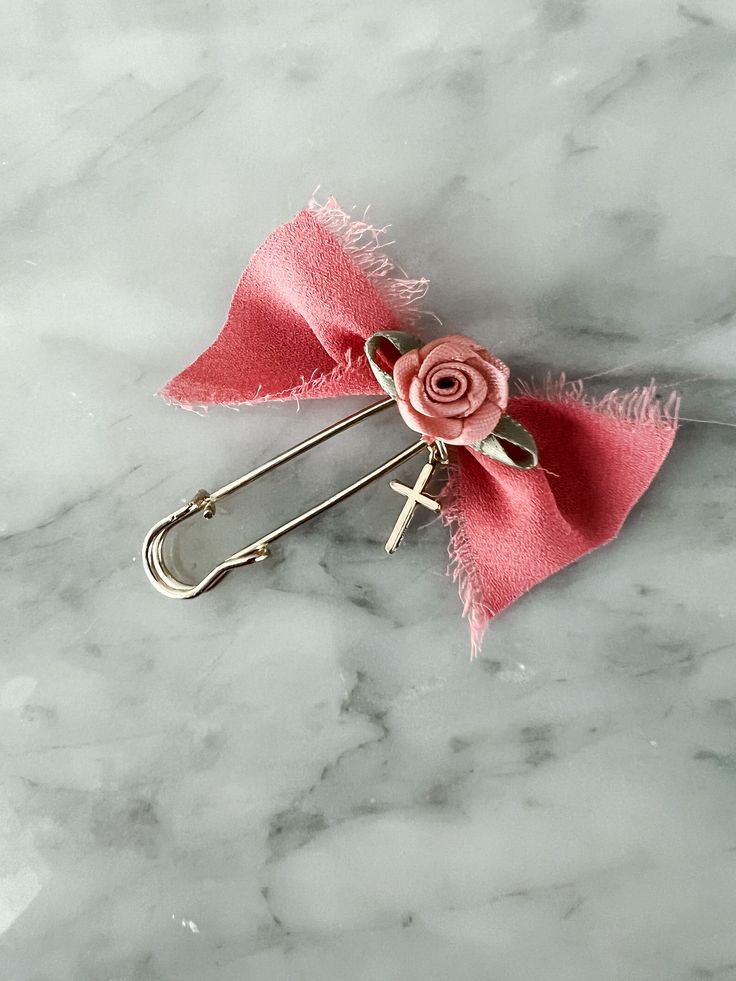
(313, 293)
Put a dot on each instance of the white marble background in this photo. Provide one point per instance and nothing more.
(301, 777)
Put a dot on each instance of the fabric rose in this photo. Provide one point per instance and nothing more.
(451, 389)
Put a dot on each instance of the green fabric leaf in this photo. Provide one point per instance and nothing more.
(402, 341)
(511, 432)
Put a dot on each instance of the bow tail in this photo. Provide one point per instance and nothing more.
(511, 529)
(310, 297)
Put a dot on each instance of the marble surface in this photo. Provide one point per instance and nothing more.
(301, 777)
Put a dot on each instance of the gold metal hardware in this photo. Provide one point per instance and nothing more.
(203, 501)
(415, 496)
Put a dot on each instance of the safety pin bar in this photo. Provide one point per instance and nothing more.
(153, 558)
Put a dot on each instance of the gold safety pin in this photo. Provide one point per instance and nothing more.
(164, 580)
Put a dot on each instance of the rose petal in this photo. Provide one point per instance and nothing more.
(460, 341)
(478, 425)
(446, 429)
(449, 349)
(474, 383)
(462, 412)
(436, 428)
(405, 369)
(498, 388)
(436, 383)
(487, 358)
(476, 391)
(498, 364)
(477, 387)
(420, 400)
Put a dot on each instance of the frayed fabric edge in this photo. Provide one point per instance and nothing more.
(641, 405)
(308, 388)
(460, 569)
(365, 244)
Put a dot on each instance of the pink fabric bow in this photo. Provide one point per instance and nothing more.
(316, 290)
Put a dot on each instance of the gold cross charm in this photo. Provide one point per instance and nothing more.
(414, 497)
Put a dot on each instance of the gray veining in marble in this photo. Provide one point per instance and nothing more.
(301, 777)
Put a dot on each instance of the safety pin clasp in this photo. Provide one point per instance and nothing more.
(205, 503)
